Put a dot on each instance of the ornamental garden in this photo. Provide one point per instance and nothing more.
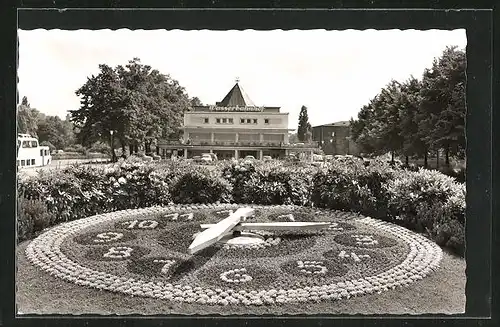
(126, 228)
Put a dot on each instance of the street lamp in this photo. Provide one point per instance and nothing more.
(113, 156)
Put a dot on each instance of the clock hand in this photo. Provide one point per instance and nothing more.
(217, 231)
(286, 226)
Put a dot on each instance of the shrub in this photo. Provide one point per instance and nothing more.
(100, 147)
(201, 186)
(32, 217)
(353, 186)
(424, 201)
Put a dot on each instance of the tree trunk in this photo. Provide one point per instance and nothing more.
(426, 164)
(407, 160)
(392, 157)
(447, 154)
(157, 150)
(136, 148)
(131, 149)
(437, 159)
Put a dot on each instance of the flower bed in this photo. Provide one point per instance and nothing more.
(100, 252)
(424, 201)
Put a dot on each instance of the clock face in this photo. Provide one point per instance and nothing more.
(144, 252)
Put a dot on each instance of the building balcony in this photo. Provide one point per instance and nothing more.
(240, 143)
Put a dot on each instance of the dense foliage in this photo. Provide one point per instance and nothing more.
(421, 200)
(130, 106)
(416, 117)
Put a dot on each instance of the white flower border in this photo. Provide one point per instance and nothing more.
(44, 251)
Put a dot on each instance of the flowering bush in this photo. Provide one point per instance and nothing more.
(201, 186)
(353, 186)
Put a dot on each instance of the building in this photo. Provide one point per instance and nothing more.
(335, 138)
(234, 128)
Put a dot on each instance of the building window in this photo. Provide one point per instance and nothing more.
(230, 120)
(23, 162)
(255, 121)
(205, 120)
(18, 162)
(266, 121)
(27, 162)
(26, 144)
(41, 153)
(249, 121)
(224, 120)
(32, 162)
(34, 144)
(242, 121)
(217, 120)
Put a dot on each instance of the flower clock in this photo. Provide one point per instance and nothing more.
(235, 254)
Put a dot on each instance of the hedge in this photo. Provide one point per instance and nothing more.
(424, 201)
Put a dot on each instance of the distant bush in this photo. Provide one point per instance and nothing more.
(100, 147)
(50, 145)
(78, 148)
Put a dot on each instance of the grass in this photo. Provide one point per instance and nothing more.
(442, 292)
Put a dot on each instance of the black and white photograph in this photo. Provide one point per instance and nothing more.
(241, 172)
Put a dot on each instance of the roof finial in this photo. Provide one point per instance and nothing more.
(237, 79)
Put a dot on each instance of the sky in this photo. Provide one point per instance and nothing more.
(332, 73)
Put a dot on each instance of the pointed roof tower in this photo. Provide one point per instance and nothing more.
(236, 97)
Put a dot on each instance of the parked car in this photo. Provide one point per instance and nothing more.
(206, 157)
(248, 159)
(267, 158)
(197, 159)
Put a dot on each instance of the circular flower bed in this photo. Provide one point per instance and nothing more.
(143, 252)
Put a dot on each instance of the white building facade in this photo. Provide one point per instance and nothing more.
(233, 128)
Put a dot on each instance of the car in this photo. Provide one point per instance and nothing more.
(197, 159)
(206, 157)
(249, 158)
(267, 158)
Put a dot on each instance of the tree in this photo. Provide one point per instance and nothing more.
(304, 125)
(409, 103)
(292, 138)
(25, 102)
(56, 131)
(386, 126)
(195, 102)
(362, 129)
(137, 103)
(27, 118)
(442, 109)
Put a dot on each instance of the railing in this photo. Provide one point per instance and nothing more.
(239, 143)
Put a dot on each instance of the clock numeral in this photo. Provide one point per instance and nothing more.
(119, 252)
(166, 267)
(108, 237)
(312, 267)
(144, 224)
(335, 227)
(353, 255)
(364, 239)
(175, 216)
(236, 276)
